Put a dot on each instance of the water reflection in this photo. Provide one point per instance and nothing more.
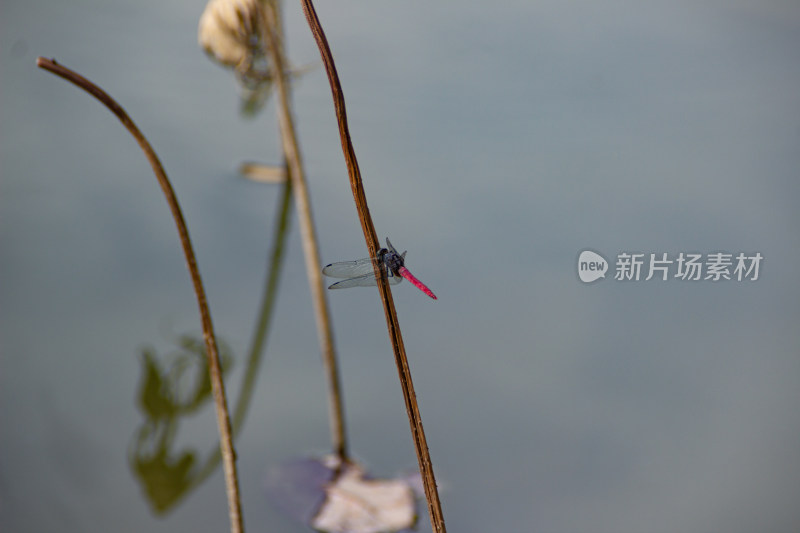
(177, 385)
(172, 387)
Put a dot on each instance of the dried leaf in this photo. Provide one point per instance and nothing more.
(263, 173)
(342, 500)
(358, 505)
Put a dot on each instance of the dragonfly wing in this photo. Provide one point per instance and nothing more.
(366, 280)
(349, 269)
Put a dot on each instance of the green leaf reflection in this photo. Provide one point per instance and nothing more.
(177, 385)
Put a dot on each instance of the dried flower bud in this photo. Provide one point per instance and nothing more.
(230, 31)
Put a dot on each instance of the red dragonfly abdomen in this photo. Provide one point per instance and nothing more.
(403, 271)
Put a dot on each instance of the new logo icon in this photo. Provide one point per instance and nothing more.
(591, 266)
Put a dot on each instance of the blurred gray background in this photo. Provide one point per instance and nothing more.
(496, 142)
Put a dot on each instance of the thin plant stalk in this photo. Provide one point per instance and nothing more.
(296, 174)
(259, 340)
(265, 311)
(415, 419)
(214, 365)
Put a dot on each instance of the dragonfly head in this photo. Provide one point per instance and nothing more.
(392, 249)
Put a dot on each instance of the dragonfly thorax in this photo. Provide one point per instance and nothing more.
(391, 260)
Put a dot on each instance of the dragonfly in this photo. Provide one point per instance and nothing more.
(360, 273)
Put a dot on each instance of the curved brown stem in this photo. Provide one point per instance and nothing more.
(415, 420)
(215, 368)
